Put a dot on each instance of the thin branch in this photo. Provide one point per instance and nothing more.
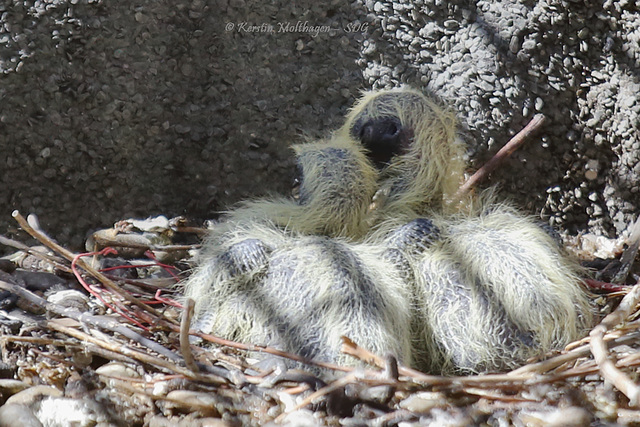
(601, 354)
(99, 322)
(135, 354)
(185, 346)
(264, 349)
(514, 143)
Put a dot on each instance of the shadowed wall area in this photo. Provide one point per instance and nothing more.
(119, 109)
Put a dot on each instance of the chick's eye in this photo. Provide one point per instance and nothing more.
(295, 189)
(296, 184)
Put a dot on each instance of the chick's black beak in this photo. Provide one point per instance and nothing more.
(383, 137)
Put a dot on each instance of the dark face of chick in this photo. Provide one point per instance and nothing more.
(381, 127)
(383, 137)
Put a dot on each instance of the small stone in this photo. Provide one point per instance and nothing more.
(593, 165)
(484, 85)
(186, 69)
(423, 402)
(117, 369)
(182, 130)
(27, 396)
(591, 175)
(12, 414)
(451, 24)
(514, 44)
(11, 387)
(628, 101)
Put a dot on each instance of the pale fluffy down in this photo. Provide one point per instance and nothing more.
(491, 288)
(428, 165)
(287, 273)
(337, 183)
(446, 287)
(310, 291)
(494, 291)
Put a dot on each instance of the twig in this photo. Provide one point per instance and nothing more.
(264, 349)
(514, 143)
(118, 241)
(492, 395)
(600, 352)
(336, 385)
(57, 262)
(552, 363)
(185, 346)
(70, 256)
(86, 318)
(135, 354)
(351, 348)
(38, 340)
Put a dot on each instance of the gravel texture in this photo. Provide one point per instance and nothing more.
(132, 108)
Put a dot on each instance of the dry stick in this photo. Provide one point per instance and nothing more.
(552, 363)
(336, 385)
(351, 348)
(508, 380)
(264, 349)
(85, 318)
(600, 352)
(107, 354)
(514, 143)
(104, 242)
(57, 262)
(135, 354)
(582, 350)
(103, 239)
(108, 283)
(38, 340)
(591, 367)
(185, 346)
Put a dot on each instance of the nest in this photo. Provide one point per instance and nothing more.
(119, 354)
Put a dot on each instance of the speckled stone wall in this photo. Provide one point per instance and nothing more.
(133, 108)
(499, 63)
